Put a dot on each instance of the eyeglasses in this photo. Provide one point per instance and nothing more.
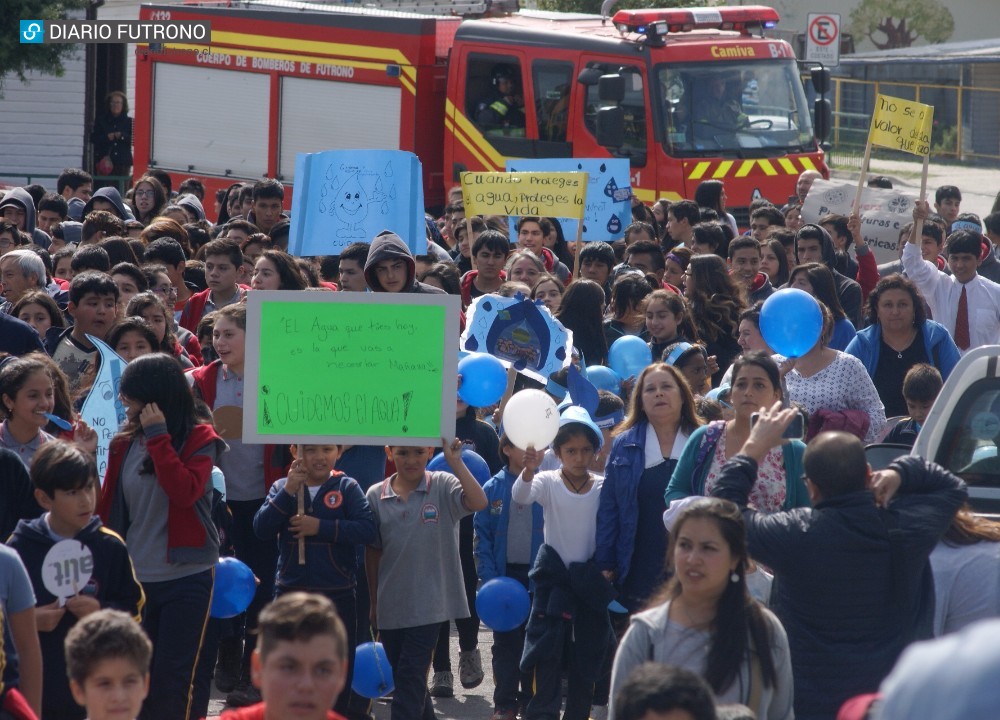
(7, 243)
(166, 290)
(143, 193)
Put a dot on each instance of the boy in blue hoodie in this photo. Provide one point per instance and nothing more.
(508, 536)
(64, 477)
(336, 519)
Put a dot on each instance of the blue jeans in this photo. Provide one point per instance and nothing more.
(175, 618)
(410, 651)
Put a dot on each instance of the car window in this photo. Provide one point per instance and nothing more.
(969, 445)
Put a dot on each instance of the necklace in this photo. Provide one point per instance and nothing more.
(691, 622)
(578, 489)
(906, 346)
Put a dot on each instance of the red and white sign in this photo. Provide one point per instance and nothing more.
(823, 39)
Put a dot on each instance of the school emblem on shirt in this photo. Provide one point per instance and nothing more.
(496, 507)
(333, 499)
(429, 513)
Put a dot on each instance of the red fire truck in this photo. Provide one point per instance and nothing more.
(685, 94)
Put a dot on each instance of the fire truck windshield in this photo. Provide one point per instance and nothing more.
(741, 109)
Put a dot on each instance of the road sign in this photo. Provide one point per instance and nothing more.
(823, 39)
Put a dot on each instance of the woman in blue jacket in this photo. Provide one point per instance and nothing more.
(631, 538)
(898, 337)
(779, 486)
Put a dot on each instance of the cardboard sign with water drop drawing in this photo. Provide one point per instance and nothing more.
(350, 368)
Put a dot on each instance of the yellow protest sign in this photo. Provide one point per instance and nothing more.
(902, 125)
(549, 194)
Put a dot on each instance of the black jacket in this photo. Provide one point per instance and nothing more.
(113, 584)
(848, 290)
(119, 150)
(853, 584)
(17, 501)
(577, 594)
(387, 245)
(18, 337)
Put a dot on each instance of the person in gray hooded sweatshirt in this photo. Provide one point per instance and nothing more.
(111, 200)
(192, 205)
(18, 208)
(390, 267)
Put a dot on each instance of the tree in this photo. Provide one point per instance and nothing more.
(594, 6)
(899, 23)
(20, 58)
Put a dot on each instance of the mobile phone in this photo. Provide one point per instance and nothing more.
(794, 431)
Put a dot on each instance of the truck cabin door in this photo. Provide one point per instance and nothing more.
(520, 114)
(636, 139)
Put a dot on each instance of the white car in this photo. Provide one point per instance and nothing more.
(962, 431)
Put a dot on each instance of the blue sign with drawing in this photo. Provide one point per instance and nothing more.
(347, 196)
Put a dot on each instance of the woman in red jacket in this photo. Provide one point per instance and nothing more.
(157, 494)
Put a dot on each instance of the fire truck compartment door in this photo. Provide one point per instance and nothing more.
(314, 118)
(189, 138)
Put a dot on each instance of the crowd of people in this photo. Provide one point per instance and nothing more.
(719, 500)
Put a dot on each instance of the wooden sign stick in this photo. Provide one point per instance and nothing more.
(300, 498)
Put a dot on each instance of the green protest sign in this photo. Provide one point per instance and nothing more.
(353, 368)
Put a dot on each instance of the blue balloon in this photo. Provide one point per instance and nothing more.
(477, 466)
(791, 322)
(503, 604)
(484, 379)
(234, 588)
(372, 672)
(628, 356)
(604, 378)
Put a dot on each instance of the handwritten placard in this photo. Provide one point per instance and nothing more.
(607, 207)
(551, 194)
(357, 368)
(902, 125)
(347, 196)
(103, 409)
(884, 213)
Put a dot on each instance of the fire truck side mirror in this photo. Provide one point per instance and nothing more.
(821, 80)
(611, 88)
(589, 76)
(611, 127)
(824, 119)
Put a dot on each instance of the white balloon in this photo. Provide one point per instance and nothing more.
(531, 418)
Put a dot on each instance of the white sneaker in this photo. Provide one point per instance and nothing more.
(470, 669)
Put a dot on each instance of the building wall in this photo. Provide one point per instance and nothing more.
(974, 19)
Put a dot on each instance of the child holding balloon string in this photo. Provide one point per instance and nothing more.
(64, 476)
(570, 499)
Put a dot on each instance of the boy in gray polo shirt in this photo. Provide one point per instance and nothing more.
(413, 567)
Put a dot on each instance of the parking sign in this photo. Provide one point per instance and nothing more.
(823, 39)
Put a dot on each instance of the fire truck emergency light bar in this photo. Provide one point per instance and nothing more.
(657, 23)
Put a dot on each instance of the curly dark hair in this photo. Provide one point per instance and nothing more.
(896, 282)
(716, 300)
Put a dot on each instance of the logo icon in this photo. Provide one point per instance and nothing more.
(32, 32)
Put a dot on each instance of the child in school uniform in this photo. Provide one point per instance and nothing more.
(508, 535)
(413, 567)
(336, 519)
(65, 483)
(569, 617)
